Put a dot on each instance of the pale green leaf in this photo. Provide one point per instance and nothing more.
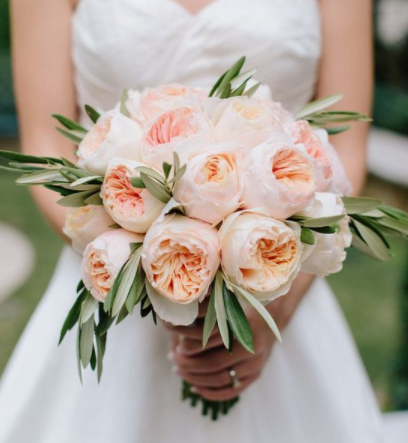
(100, 348)
(128, 277)
(237, 320)
(151, 172)
(258, 306)
(177, 176)
(318, 105)
(337, 129)
(220, 309)
(136, 291)
(358, 205)
(46, 176)
(395, 225)
(321, 222)
(88, 308)
(306, 236)
(155, 188)
(73, 136)
(252, 90)
(83, 180)
(78, 352)
(95, 199)
(210, 318)
(124, 98)
(86, 346)
(373, 241)
(75, 200)
(242, 78)
(69, 124)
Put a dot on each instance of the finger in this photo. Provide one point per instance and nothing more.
(211, 361)
(194, 331)
(223, 379)
(228, 393)
(192, 347)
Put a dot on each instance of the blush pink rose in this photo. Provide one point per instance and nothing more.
(103, 259)
(244, 120)
(329, 250)
(132, 208)
(340, 183)
(155, 101)
(280, 178)
(114, 135)
(180, 257)
(180, 130)
(212, 186)
(305, 137)
(260, 254)
(84, 224)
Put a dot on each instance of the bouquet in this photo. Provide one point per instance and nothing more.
(184, 193)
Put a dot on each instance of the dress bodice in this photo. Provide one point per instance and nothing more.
(137, 43)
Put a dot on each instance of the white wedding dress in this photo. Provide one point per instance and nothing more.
(313, 388)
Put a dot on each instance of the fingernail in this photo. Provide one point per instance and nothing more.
(193, 389)
(181, 338)
(170, 356)
(174, 369)
(179, 349)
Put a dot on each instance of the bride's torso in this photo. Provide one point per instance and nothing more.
(137, 43)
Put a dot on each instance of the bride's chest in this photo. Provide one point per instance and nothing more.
(146, 42)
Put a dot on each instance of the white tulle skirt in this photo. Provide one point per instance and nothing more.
(313, 389)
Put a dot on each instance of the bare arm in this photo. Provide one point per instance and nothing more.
(43, 84)
(347, 67)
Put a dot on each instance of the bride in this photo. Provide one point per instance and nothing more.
(312, 387)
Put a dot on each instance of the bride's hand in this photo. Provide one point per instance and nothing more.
(208, 370)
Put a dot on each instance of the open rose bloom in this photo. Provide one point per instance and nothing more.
(184, 194)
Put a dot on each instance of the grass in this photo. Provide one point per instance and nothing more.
(369, 292)
(18, 210)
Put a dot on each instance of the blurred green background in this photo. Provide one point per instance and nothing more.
(374, 296)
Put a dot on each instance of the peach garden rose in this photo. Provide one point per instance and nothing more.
(244, 120)
(135, 209)
(260, 254)
(280, 178)
(212, 185)
(180, 257)
(329, 250)
(183, 130)
(152, 102)
(103, 259)
(84, 224)
(114, 135)
(303, 136)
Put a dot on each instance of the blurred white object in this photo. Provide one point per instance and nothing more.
(16, 260)
(393, 21)
(396, 425)
(388, 156)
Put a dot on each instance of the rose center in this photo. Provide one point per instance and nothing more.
(216, 168)
(121, 195)
(291, 168)
(98, 273)
(179, 271)
(248, 112)
(177, 123)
